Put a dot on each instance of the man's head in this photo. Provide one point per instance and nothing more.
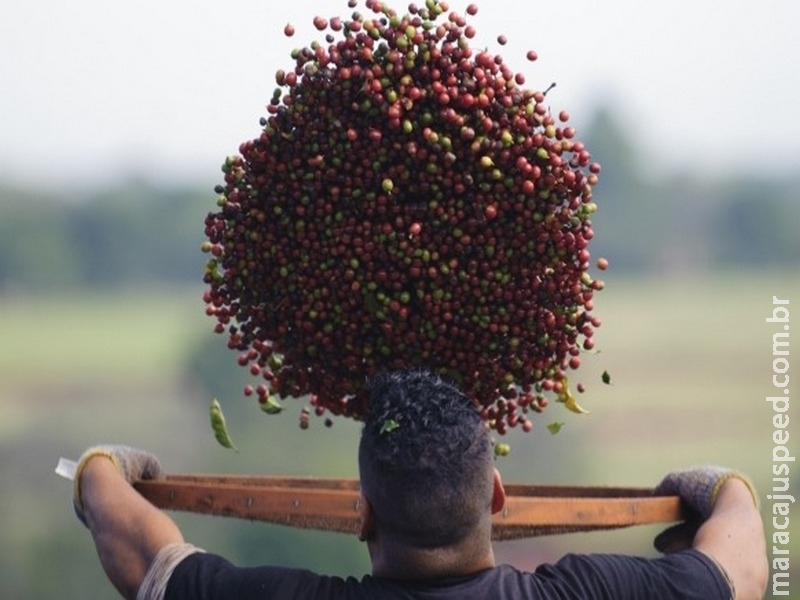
(426, 461)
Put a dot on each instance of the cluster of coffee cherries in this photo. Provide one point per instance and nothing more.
(407, 203)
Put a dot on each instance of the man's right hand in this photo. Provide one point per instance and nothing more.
(133, 464)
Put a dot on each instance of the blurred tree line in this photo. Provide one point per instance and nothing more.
(137, 231)
(654, 219)
(133, 232)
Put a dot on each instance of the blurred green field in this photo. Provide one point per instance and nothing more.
(690, 361)
(121, 335)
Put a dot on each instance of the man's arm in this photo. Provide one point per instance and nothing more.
(724, 524)
(127, 530)
(734, 537)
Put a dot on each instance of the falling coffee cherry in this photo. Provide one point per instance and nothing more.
(405, 203)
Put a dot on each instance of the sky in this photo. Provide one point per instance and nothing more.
(92, 90)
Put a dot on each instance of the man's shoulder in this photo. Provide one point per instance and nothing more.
(686, 574)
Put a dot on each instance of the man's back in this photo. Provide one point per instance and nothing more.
(686, 575)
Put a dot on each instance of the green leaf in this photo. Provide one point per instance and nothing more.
(271, 406)
(606, 378)
(569, 400)
(219, 426)
(389, 425)
(555, 427)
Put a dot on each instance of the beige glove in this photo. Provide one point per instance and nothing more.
(698, 488)
(132, 463)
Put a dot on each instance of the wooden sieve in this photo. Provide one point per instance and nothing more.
(332, 504)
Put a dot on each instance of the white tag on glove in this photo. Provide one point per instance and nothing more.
(66, 468)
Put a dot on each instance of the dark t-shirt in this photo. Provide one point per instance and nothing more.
(685, 575)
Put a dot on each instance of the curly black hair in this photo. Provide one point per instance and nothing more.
(425, 459)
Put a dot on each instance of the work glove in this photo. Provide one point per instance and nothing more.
(698, 488)
(132, 463)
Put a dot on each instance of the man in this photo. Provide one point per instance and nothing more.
(429, 488)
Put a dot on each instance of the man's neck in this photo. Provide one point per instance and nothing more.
(400, 562)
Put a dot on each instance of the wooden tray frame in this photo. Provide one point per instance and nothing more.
(332, 504)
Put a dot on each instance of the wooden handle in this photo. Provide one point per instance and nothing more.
(332, 504)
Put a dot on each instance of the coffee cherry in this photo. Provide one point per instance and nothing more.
(405, 202)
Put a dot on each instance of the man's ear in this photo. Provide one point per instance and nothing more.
(498, 493)
(366, 520)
